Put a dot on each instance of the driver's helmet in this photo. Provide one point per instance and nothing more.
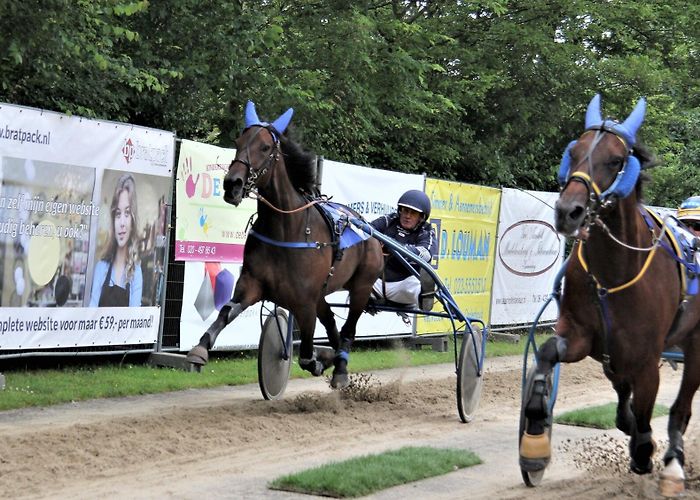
(689, 209)
(417, 200)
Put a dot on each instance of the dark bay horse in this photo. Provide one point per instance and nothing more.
(290, 257)
(623, 300)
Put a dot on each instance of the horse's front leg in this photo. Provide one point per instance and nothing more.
(305, 317)
(323, 359)
(247, 293)
(645, 387)
(672, 480)
(624, 418)
(552, 352)
(535, 448)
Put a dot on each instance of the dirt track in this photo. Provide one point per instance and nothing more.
(228, 442)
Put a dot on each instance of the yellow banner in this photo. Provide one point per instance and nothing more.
(207, 228)
(465, 217)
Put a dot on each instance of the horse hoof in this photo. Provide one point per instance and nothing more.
(672, 480)
(535, 451)
(646, 469)
(671, 486)
(645, 450)
(325, 356)
(198, 355)
(340, 381)
(312, 366)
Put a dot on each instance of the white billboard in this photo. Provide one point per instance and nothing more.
(529, 254)
(83, 208)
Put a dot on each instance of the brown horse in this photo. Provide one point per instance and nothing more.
(623, 301)
(290, 256)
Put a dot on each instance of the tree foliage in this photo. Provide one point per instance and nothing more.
(487, 92)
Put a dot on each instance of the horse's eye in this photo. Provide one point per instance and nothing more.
(615, 163)
(265, 147)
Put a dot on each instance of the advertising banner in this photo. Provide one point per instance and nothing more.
(530, 253)
(207, 228)
(465, 218)
(83, 218)
(208, 286)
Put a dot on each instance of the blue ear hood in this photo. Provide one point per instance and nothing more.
(279, 125)
(251, 117)
(623, 184)
(626, 179)
(627, 129)
(565, 165)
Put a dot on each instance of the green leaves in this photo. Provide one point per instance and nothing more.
(488, 91)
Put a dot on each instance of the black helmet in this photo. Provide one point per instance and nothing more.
(417, 200)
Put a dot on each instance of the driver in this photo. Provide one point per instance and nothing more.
(689, 214)
(410, 226)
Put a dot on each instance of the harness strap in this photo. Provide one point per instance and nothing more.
(288, 244)
(334, 232)
(618, 288)
(603, 310)
(600, 299)
(301, 244)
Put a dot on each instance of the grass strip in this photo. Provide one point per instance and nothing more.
(26, 387)
(370, 473)
(599, 417)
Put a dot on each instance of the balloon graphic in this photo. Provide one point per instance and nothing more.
(19, 281)
(190, 185)
(43, 255)
(223, 288)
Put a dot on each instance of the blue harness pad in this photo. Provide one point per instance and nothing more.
(683, 251)
(348, 235)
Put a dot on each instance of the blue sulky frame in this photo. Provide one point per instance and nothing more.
(275, 350)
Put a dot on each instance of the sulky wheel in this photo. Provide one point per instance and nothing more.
(533, 471)
(469, 380)
(274, 358)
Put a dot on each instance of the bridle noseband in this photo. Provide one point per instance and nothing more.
(253, 174)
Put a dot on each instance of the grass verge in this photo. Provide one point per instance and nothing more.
(599, 417)
(370, 473)
(26, 387)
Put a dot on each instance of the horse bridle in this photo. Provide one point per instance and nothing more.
(597, 199)
(596, 195)
(254, 173)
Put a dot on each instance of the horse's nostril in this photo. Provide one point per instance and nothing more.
(230, 184)
(576, 213)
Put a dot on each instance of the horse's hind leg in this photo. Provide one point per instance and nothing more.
(672, 477)
(358, 301)
(247, 292)
(325, 315)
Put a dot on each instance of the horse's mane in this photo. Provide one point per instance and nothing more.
(301, 165)
(647, 159)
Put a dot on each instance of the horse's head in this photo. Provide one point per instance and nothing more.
(257, 151)
(597, 169)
